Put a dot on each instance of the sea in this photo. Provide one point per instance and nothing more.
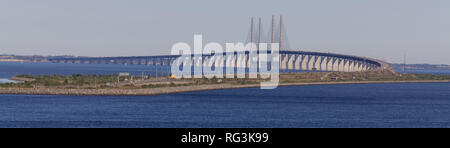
(410, 105)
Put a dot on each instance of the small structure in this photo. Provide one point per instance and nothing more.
(334, 78)
(124, 74)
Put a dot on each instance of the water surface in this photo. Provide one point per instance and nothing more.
(361, 105)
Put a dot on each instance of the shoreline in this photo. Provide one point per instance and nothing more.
(176, 90)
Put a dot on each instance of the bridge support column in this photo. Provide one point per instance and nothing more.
(211, 61)
(298, 63)
(365, 67)
(342, 63)
(291, 60)
(205, 61)
(348, 66)
(369, 67)
(324, 64)
(330, 64)
(305, 62)
(345, 65)
(142, 62)
(228, 61)
(191, 62)
(240, 61)
(230, 65)
(352, 66)
(248, 61)
(336, 65)
(198, 62)
(317, 63)
(220, 62)
(154, 62)
(359, 67)
(283, 62)
(312, 61)
(372, 67)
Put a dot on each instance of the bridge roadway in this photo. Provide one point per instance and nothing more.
(292, 61)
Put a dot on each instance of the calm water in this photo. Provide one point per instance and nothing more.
(368, 105)
(363, 105)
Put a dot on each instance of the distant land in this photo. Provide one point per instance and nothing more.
(33, 58)
(113, 85)
(422, 66)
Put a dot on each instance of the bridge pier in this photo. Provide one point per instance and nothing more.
(291, 62)
(230, 63)
(317, 60)
(311, 61)
(305, 62)
(298, 63)
(335, 66)
(365, 67)
(349, 68)
(342, 65)
(330, 64)
(240, 61)
(352, 66)
(283, 62)
(211, 61)
(324, 64)
(359, 66)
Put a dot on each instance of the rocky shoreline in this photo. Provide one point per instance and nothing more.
(172, 90)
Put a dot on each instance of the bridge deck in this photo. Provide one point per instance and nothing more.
(290, 60)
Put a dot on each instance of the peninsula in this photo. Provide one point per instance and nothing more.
(113, 85)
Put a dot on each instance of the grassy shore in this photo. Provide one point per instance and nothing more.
(171, 90)
(112, 85)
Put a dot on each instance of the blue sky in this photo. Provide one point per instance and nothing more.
(384, 29)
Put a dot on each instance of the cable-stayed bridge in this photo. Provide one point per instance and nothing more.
(290, 60)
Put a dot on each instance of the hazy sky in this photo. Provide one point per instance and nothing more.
(383, 29)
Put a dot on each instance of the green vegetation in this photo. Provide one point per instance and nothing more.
(75, 80)
(358, 76)
(163, 85)
(109, 81)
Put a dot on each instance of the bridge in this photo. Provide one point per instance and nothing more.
(290, 60)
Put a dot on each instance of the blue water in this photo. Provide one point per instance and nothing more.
(362, 105)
